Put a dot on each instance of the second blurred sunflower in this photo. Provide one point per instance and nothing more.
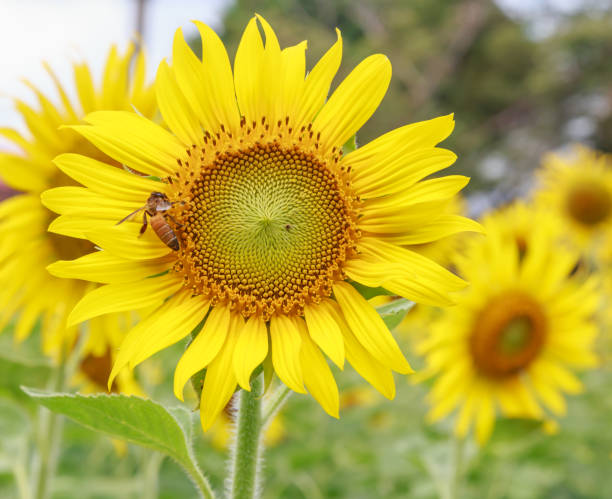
(27, 290)
(514, 334)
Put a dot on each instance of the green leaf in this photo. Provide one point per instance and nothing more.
(20, 365)
(368, 292)
(394, 312)
(137, 420)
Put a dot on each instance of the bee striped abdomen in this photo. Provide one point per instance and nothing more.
(164, 231)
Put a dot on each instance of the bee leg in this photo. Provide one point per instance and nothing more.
(144, 224)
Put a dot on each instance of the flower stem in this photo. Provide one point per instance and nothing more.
(21, 479)
(151, 474)
(246, 448)
(201, 482)
(457, 470)
(50, 424)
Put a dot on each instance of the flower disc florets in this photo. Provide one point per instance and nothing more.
(265, 227)
(507, 335)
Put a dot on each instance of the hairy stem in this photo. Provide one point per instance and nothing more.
(201, 482)
(246, 448)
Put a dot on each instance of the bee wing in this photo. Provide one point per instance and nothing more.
(130, 216)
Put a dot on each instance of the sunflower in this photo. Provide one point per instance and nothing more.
(263, 226)
(513, 336)
(26, 247)
(93, 371)
(578, 189)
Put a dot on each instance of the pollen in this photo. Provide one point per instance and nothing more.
(507, 335)
(265, 228)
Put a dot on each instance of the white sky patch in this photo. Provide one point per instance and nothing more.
(61, 32)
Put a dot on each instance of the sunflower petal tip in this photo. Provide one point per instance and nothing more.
(52, 268)
(245, 384)
(73, 319)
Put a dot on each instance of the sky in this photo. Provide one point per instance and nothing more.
(61, 32)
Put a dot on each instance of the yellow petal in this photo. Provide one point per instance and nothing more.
(251, 349)
(548, 393)
(354, 101)
(107, 180)
(194, 79)
(116, 78)
(397, 221)
(318, 81)
(485, 418)
(467, 414)
(219, 383)
(134, 141)
(393, 146)
(106, 268)
(80, 201)
(219, 78)
(67, 225)
(66, 103)
(171, 322)
(85, 88)
(318, 377)
(203, 349)
(428, 190)
(369, 328)
(247, 64)
(325, 331)
(270, 74)
(124, 241)
(21, 174)
(174, 107)
(415, 266)
(286, 344)
(439, 228)
(375, 373)
(122, 297)
(292, 79)
(396, 176)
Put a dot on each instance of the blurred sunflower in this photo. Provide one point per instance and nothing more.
(264, 220)
(513, 334)
(578, 189)
(93, 372)
(26, 288)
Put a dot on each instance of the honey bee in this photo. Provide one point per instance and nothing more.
(156, 208)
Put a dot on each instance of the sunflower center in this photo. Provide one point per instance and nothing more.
(589, 203)
(507, 335)
(98, 368)
(266, 229)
